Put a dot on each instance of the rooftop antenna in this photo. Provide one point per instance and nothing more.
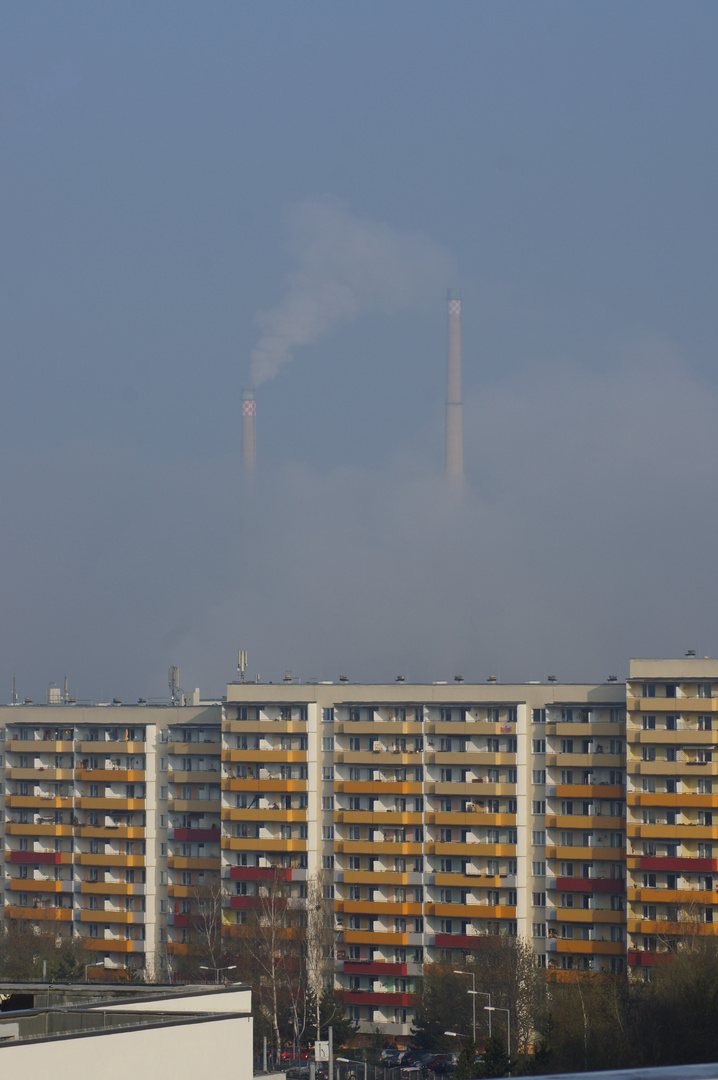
(175, 692)
(242, 663)
(14, 692)
(65, 695)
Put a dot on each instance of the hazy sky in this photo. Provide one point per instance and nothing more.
(196, 194)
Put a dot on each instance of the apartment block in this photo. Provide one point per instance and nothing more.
(671, 767)
(430, 816)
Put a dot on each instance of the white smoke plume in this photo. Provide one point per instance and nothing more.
(344, 266)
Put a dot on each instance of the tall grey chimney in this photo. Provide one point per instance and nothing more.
(454, 429)
(249, 433)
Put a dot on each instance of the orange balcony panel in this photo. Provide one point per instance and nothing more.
(39, 746)
(48, 914)
(664, 927)
(377, 907)
(241, 843)
(13, 828)
(106, 916)
(472, 911)
(230, 813)
(110, 804)
(111, 832)
(38, 802)
(111, 888)
(41, 775)
(32, 885)
(590, 791)
(269, 785)
(461, 879)
(378, 787)
(179, 948)
(685, 897)
(471, 850)
(376, 937)
(374, 877)
(110, 945)
(590, 915)
(182, 862)
(88, 859)
(116, 776)
(602, 854)
(663, 799)
(377, 847)
(580, 821)
(592, 948)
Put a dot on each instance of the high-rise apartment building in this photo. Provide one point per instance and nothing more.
(671, 765)
(430, 815)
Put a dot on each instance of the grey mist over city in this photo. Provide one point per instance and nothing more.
(200, 200)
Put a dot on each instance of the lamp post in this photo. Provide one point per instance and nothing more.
(496, 1008)
(472, 975)
(216, 970)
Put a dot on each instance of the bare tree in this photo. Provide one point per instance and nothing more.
(207, 901)
(320, 937)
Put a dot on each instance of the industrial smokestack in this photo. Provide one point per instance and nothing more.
(249, 433)
(454, 430)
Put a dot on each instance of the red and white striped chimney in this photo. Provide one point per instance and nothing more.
(454, 426)
(249, 433)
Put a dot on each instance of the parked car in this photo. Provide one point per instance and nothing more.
(389, 1056)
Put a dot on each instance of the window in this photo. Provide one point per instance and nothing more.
(538, 806)
(327, 772)
(538, 837)
(328, 742)
(538, 776)
(705, 690)
(327, 832)
(538, 869)
(538, 746)
(649, 723)
(649, 753)
(538, 716)
(566, 746)
(327, 802)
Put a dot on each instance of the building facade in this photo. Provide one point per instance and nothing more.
(429, 816)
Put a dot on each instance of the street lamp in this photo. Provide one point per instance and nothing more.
(216, 970)
(472, 974)
(496, 1008)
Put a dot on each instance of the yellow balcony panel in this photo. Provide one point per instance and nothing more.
(106, 916)
(282, 756)
(664, 798)
(38, 802)
(677, 705)
(471, 850)
(114, 776)
(475, 818)
(379, 937)
(590, 915)
(87, 859)
(34, 914)
(377, 847)
(377, 907)
(198, 805)
(180, 948)
(232, 813)
(241, 843)
(111, 832)
(40, 775)
(200, 749)
(584, 761)
(182, 862)
(472, 911)
(613, 854)
(111, 888)
(682, 737)
(590, 791)
(459, 879)
(112, 945)
(672, 768)
(601, 729)
(591, 948)
(13, 828)
(685, 898)
(269, 785)
(110, 804)
(663, 928)
(31, 885)
(378, 787)
(39, 746)
(204, 776)
(375, 877)
(580, 821)
(674, 832)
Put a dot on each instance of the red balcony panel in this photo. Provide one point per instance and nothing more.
(35, 857)
(244, 902)
(665, 862)
(259, 873)
(369, 997)
(643, 958)
(373, 967)
(577, 884)
(195, 834)
(458, 941)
